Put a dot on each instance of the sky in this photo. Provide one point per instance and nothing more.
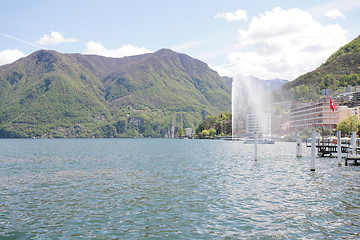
(267, 39)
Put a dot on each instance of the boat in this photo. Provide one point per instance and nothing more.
(234, 139)
(260, 141)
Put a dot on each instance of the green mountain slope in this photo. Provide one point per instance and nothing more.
(341, 69)
(73, 95)
(165, 78)
(45, 92)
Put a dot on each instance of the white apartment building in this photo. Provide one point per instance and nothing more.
(258, 122)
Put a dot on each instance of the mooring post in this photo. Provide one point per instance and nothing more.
(313, 148)
(339, 147)
(353, 142)
(298, 145)
(255, 145)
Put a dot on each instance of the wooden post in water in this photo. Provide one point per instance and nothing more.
(255, 145)
(339, 147)
(353, 142)
(313, 148)
(298, 145)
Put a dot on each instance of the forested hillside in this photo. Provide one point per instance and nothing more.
(50, 94)
(340, 70)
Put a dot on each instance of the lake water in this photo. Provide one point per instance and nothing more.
(172, 189)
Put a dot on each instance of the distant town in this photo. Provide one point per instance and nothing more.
(318, 113)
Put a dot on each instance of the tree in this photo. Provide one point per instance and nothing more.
(212, 132)
(181, 132)
(329, 80)
(322, 84)
(200, 128)
(348, 125)
(205, 133)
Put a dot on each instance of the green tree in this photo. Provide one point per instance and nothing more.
(200, 128)
(348, 125)
(322, 85)
(212, 132)
(107, 130)
(329, 80)
(353, 79)
(205, 133)
(305, 93)
(181, 132)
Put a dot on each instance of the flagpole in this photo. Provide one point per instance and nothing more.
(330, 117)
(332, 109)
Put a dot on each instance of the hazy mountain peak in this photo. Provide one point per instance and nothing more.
(268, 85)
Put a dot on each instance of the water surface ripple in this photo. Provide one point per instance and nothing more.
(172, 189)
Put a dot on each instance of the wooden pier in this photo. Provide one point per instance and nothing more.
(323, 151)
(327, 148)
(354, 158)
(353, 155)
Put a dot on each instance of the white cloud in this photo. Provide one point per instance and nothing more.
(125, 50)
(10, 55)
(233, 16)
(55, 38)
(341, 5)
(334, 14)
(222, 71)
(285, 43)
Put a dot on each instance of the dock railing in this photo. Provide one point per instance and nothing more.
(353, 154)
(328, 145)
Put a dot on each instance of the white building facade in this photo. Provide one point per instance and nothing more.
(188, 132)
(258, 122)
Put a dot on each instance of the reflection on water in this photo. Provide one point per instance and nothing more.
(172, 189)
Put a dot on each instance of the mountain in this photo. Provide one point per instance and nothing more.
(341, 69)
(267, 85)
(73, 95)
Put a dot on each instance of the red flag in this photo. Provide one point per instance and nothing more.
(332, 105)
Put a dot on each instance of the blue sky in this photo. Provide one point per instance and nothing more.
(268, 39)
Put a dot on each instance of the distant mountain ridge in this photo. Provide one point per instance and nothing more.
(72, 95)
(268, 85)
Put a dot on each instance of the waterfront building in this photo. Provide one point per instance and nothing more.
(188, 132)
(317, 114)
(314, 114)
(258, 122)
